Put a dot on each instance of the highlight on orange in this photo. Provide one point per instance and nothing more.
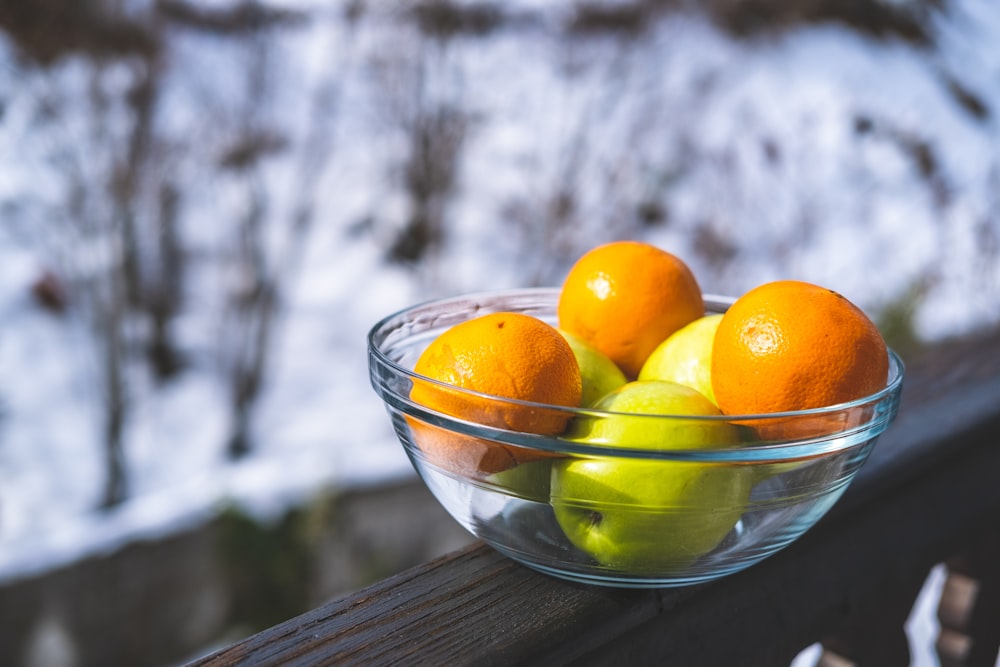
(625, 298)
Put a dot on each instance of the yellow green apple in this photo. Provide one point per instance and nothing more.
(529, 480)
(685, 356)
(599, 373)
(642, 514)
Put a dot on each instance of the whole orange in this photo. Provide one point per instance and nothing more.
(483, 362)
(625, 298)
(791, 345)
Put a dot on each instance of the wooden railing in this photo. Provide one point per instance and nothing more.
(929, 494)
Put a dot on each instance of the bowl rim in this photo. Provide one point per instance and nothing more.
(808, 447)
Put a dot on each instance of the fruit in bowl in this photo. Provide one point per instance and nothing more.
(573, 442)
(624, 298)
(788, 346)
(497, 356)
(598, 374)
(685, 356)
(640, 515)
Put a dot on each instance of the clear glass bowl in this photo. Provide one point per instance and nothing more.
(627, 517)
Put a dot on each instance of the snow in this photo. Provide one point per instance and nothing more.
(758, 141)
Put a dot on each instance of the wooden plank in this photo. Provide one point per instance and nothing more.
(470, 604)
(929, 486)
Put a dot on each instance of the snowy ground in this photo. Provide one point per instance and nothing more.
(801, 156)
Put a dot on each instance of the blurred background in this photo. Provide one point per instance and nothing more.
(205, 205)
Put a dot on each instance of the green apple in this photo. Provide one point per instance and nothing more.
(600, 375)
(529, 480)
(649, 515)
(685, 356)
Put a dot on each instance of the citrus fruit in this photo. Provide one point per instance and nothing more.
(790, 345)
(479, 363)
(625, 297)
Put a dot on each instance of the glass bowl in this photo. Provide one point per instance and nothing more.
(652, 514)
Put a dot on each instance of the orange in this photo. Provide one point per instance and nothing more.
(498, 356)
(625, 298)
(791, 345)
